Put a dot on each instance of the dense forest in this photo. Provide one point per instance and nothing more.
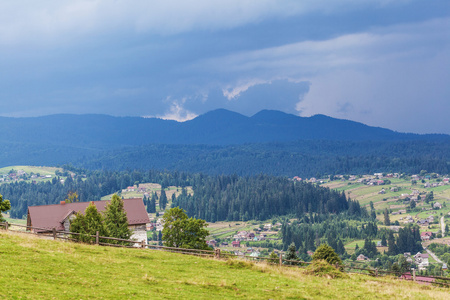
(215, 197)
(218, 198)
(302, 158)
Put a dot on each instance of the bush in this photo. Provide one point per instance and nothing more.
(325, 252)
(321, 268)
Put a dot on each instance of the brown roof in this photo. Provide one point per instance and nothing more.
(53, 216)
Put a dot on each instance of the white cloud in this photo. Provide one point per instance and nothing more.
(233, 92)
(372, 77)
(176, 112)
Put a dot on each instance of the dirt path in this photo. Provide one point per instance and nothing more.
(435, 257)
(442, 226)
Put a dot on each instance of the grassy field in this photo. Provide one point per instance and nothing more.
(31, 169)
(33, 268)
(14, 221)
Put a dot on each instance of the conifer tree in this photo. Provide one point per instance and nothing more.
(88, 224)
(5, 205)
(383, 240)
(163, 200)
(291, 254)
(325, 252)
(387, 221)
(116, 220)
(151, 207)
(392, 247)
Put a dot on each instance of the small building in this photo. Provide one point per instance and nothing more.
(437, 205)
(236, 244)
(212, 243)
(45, 218)
(426, 235)
(362, 257)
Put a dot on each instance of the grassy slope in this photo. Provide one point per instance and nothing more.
(29, 169)
(35, 268)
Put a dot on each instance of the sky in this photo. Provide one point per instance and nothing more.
(385, 63)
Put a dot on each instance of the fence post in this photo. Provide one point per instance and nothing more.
(281, 259)
(54, 233)
(6, 226)
(143, 244)
(376, 272)
(414, 274)
(96, 238)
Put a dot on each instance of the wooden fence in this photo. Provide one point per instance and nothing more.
(99, 240)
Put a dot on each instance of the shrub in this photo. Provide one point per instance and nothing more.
(321, 268)
(325, 252)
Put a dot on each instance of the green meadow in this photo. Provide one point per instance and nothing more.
(34, 268)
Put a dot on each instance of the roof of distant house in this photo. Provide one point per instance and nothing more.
(53, 216)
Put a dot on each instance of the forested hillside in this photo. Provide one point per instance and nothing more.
(215, 197)
(221, 142)
(301, 158)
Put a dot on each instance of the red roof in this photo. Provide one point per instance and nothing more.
(53, 216)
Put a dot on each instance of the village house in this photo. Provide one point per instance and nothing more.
(45, 218)
(394, 228)
(212, 243)
(362, 257)
(268, 227)
(255, 254)
(426, 235)
(437, 205)
(236, 244)
(394, 189)
(423, 222)
(421, 260)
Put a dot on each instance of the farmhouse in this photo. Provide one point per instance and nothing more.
(437, 205)
(362, 257)
(46, 217)
(426, 235)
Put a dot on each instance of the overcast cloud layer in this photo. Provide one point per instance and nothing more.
(384, 63)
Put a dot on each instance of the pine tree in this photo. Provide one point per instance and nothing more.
(291, 254)
(163, 200)
(116, 220)
(383, 240)
(325, 252)
(392, 247)
(88, 224)
(387, 221)
(151, 208)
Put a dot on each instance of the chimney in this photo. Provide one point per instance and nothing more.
(62, 202)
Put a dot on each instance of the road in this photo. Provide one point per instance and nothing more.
(443, 226)
(435, 257)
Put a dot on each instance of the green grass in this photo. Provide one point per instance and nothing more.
(29, 169)
(14, 221)
(33, 268)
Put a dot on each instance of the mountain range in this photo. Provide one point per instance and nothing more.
(220, 142)
(218, 127)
